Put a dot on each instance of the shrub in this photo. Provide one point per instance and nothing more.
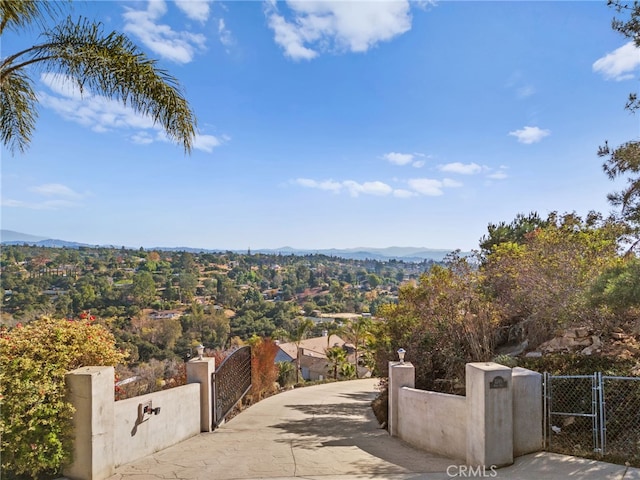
(286, 374)
(443, 322)
(150, 377)
(35, 422)
(380, 404)
(264, 371)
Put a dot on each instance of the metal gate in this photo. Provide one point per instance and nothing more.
(231, 381)
(573, 414)
(592, 414)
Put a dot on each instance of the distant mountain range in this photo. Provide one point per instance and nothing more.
(407, 254)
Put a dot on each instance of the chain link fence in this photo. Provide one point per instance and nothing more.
(593, 416)
(572, 420)
(622, 419)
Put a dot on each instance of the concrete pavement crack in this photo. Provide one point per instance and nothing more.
(293, 455)
(624, 474)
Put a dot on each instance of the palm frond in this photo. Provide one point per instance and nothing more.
(110, 65)
(17, 14)
(18, 111)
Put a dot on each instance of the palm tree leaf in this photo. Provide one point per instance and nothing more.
(18, 102)
(17, 14)
(110, 65)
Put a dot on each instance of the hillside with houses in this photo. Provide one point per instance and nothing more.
(159, 304)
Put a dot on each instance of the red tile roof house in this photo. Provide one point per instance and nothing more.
(313, 358)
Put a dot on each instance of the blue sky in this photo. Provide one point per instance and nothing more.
(333, 124)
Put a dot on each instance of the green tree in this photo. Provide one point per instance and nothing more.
(515, 232)
(624, 160)
(347, 370)
(301, 328)
(286, 375)
(618, 287)
(544, 282)
(374, 280)
(188, 283)
(442, 322)
(357, 330)
(337, 357)
(143, 289)
(105, 63)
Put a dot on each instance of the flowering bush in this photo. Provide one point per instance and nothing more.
(35, 421)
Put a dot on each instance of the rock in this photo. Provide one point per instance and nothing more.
(582, 332)
(584, 342)
(533, 355)
(595, 346)
(563, 343)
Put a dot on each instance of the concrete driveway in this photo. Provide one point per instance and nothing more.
(328, 432)
(321, 431)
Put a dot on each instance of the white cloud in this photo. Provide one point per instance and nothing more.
(55, 190)
(447, 182)
(328, 185)
(290, 38)
(367, 188)
(94, 111)
(352, 187)
(417, 186)
(427, 186)
(518, 82)
(194, 9)
(499, 175)
(177, 46)
(142, 138)
(619, 64)
(224, 34)
(404, 159)
(525, 91)
(401, 193)
(320, 26)
(398, 158)
(528, 135)
(46, 205)
(207, 143)
(461, 168)
(102, 114)
(57, 196)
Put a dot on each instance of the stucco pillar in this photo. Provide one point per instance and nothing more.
(200, 371)
(400, 375)
(527, 411)
(489, 415)
(90, 391)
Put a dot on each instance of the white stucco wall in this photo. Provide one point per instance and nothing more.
(433, 421)
(179, 419)
(527, 411)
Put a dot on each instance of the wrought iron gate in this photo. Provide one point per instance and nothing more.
(230, 382)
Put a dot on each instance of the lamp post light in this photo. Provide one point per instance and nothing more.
(200, 350)
(401, 353)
